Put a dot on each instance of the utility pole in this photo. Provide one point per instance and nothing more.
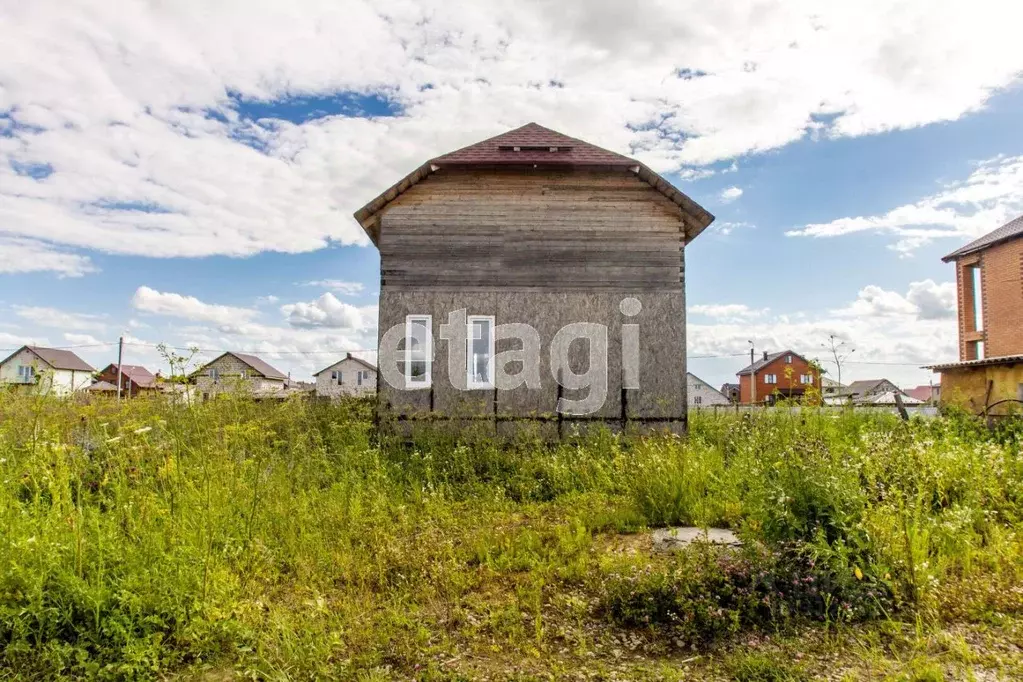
(120, 356)
(752, 377)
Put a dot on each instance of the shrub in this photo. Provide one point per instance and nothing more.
(705, 592)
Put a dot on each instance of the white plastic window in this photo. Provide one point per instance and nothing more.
(480, 351)
(418, 350)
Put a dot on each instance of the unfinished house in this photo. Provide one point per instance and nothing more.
(239, 372)
(988, 378)
(350, 376)
(537, 229)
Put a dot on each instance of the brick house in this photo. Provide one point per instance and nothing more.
(239, 372)
(532, 227)
(777, 375)
(135, 379)
(989, 281)
(350, 376)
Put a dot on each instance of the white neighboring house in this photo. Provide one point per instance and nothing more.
(240, 372)
(349, 376)
(702, 394)
(46, 370)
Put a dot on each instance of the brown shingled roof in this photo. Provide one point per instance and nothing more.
(260, 366)
(252, 361)
(766, 361)
(57, 359)
(137, 373)
(1010, 230)
(532, 143)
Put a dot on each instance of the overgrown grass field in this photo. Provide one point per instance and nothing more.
(282, 541)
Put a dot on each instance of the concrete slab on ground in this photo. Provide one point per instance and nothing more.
(674, 539)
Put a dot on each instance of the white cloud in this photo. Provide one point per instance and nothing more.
(126, 105)
(337, 286)
(51, 317)
(190, 308)
(83, 340)
(933, 301)
(316, 331)
(873, 301)
(328, 311)
(269, 299)
(727, 310)
(726, 228)
(28, 255)
(11, 342)
(926, 300)
(730, 194)
(990, 197)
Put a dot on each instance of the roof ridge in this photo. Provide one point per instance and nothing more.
(771, 357)
(488, 150)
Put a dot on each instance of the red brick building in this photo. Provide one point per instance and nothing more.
(779, 375)
(989, 280)
(135, 379)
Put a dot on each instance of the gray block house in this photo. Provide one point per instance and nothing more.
(349, 376)
(239, 372)
(532, 227)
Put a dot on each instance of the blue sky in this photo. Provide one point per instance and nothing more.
(173, 182)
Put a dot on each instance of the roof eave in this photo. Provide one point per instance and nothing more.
(985, 362)
(368, 217)
(698, 218)
(969, 250)
(4, 361)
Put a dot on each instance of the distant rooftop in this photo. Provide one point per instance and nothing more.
(771, 357)
(55, 358)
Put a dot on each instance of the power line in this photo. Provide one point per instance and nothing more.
(252, 351)
(866, 362)
(80, 345)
